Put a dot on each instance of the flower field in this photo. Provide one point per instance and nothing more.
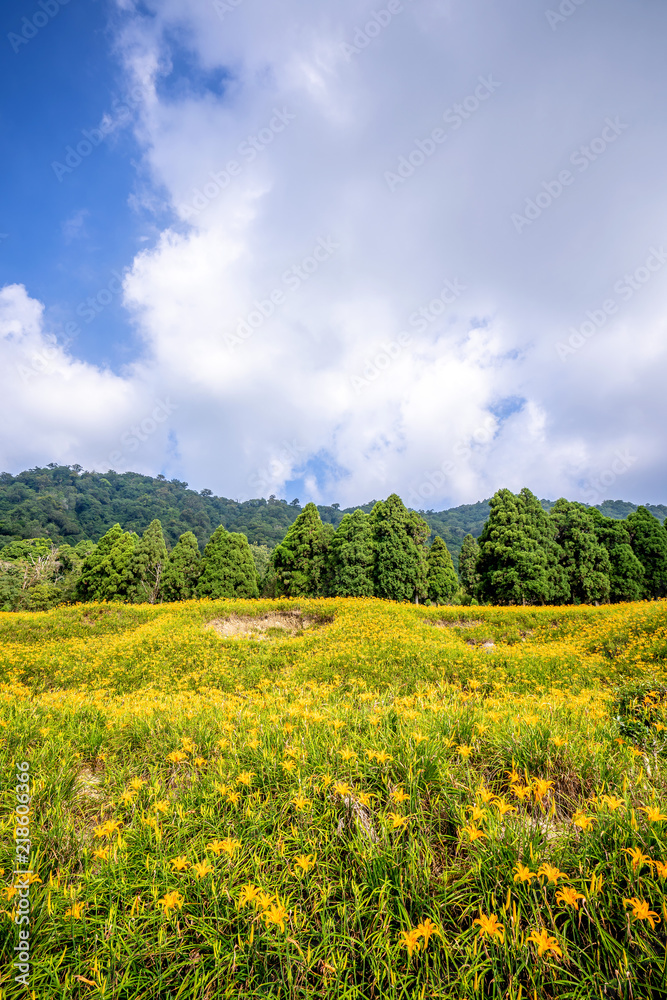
(387, 801)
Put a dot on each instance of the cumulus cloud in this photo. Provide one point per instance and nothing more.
(393, 238)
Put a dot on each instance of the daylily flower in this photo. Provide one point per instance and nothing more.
(544, 942)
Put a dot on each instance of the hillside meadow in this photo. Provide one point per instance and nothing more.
(342, 798)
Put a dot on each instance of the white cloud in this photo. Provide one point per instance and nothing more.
(478, 398)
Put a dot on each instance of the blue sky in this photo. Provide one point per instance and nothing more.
(337, 250)
(66, 237)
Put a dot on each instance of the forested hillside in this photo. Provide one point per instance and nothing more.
(66, 504)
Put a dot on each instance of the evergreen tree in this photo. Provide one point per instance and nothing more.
(181, 574)
(116, 584)
(583, 556)
(441, 578)
(92, 574)
(228, 568)
(468, 558)
(147, 565)
(399, 564)
(519, 558)
(351, 557)
(649, 544)
(626, 573)
(300, 561)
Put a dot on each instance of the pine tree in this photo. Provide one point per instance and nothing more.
(441, 578)
(649, 544)
(626, 573)
(92, 583)
(583, 556)
(228, 568)
(118, 583)
(351, 557)
(548, 583)
(147, 565)
(519, 558)
(399, 564)
(468, 558)
(181, 574)
(300, 561)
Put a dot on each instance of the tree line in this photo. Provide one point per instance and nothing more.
(64, 504)
(524, 555)
(378, 554)
(571, 555)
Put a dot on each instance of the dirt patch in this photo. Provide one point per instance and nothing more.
(277, 625)
(87, 785)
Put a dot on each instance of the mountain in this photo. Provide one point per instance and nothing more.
(66, 504)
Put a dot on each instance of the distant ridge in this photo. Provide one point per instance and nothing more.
(66, 504)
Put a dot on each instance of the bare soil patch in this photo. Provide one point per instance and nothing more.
(277, 625)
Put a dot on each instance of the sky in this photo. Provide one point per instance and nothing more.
(337, 250)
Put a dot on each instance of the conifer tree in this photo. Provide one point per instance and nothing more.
(468, 558)
(626, 573)
(649, 544)
(441, 578)
(181, 574)
(147, 565)
(300, 561)
(351, 557)
(582, 555)
(94, 572)
(399, 563)
(519, 558)
(228, 568)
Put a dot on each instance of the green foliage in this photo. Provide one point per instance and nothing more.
(27, 548)
(468, 572)
(351, 557)
(147, 565)
(41, 597)
(182, 571)
(262, 558)
(519, 557)
(441, 579)
(626, 573)
(10, 586)
(105, 575)
(399, 537)
(300, 561)
(228, 568)
(636, 709)
(649, 544)
(583, 556)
